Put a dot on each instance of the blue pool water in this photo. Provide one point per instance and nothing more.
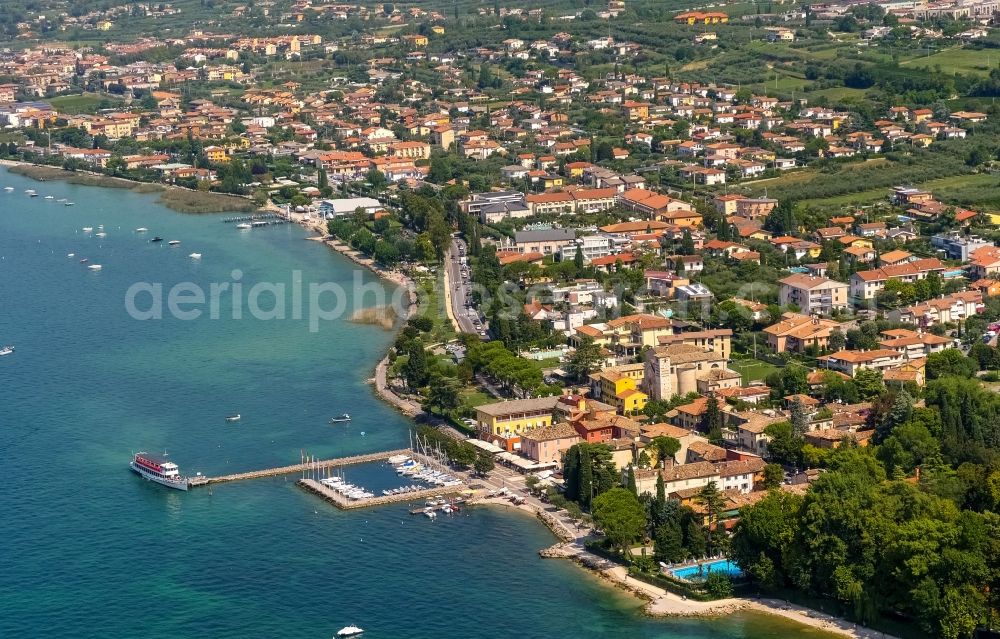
(722, 565)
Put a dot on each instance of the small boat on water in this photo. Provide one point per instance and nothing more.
(101, 234)
(95, 267)
(84, 260)
(88, 229)
(29, 191)
(50, 197)
(349, 631)
(243, 226)
(195, 256)
(233, 418)
(157, 239)
(32, 195)
(343, 418)
(70, 254)
(158, 469)
(8, 188)
(174, 242)
(69, 204)
(141, 229)
(6, 350)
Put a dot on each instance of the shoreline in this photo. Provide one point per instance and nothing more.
(176, 198)
(658, 603)
(379, 379)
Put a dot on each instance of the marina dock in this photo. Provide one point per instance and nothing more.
(344, 503)
(309, 466)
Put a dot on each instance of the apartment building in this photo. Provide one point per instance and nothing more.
(545, 242)
(942, 310)
(865, 285)
(813, 295)
(796, 332)
(850, 362)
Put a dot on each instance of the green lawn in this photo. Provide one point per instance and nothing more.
(84, 103)
(752, 369)
(472, 397)
(946, 189)
(839, 93)
(432, 304)
(956, 60)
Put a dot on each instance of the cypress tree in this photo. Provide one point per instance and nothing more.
(585, 490)
(571, 473)
(630, 483)
(661, 491)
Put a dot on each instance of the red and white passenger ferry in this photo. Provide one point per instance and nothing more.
(158, 469)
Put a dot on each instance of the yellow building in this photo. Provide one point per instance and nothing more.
(619, 387)
(105, 25)
(552, 181)
(438, 29)
(216, 154)
(503, 423)
(415, 40)
(857, 242)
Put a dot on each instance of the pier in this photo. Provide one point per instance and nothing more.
(344, 503)
(260, 219)
(309, 466)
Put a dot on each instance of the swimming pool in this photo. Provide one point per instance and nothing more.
(700, 571)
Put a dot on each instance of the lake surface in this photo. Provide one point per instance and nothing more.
(88, 549)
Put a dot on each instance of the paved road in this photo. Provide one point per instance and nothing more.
(460, 293)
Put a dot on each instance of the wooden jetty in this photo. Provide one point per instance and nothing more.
(345, 503)
(310, 466)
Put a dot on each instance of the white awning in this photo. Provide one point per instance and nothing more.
(487, 447)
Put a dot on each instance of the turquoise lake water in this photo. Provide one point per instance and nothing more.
(89, 550)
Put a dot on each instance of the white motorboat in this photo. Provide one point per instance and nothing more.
(174, 242)
(195, 256)
(244, 226)
(88, 229)
(141, 229)
(69, 204)
(6, 350)
(343, 418)
(100, 234)
(95, 267)
(233, 418)
(8, 188)
(70, 254)
(349, 631)
(29, 191)
(50, 197)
